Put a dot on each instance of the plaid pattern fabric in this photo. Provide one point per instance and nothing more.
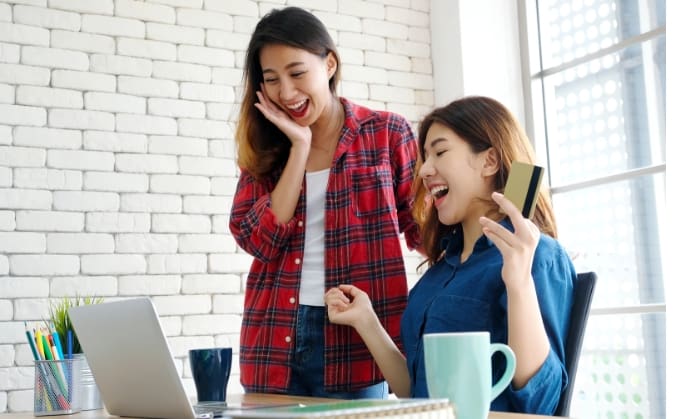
(367, 207)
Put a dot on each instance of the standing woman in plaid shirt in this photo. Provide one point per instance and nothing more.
(324, 193)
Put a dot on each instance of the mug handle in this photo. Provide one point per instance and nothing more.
(504, 381)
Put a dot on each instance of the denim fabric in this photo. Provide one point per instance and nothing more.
(455, 296)
(308, 361)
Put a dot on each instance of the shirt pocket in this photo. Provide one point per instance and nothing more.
(453, 313)
(372, 191)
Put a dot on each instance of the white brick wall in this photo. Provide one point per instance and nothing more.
(117, 162)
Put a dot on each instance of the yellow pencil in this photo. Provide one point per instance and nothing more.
(38, 342)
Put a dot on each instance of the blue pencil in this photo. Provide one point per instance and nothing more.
(57, 342)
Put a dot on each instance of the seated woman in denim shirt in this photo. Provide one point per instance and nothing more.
(489, 268)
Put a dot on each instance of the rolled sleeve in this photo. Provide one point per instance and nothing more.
(254, 225)
(541, 394)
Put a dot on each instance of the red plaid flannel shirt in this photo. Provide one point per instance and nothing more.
(367, 207)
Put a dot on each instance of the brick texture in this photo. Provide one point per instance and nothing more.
(117, 159)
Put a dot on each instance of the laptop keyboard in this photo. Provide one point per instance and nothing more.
(210, 407)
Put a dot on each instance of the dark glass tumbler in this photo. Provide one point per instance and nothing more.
(210, 369)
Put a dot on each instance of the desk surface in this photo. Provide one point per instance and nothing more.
(250, 398)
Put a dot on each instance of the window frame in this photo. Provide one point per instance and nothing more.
(534, 75)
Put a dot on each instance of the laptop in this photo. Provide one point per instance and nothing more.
(131, 361)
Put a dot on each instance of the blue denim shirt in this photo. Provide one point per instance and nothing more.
(455, 297)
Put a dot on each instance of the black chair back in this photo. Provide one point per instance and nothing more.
(582, 296)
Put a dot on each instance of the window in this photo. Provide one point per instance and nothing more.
(596, 107)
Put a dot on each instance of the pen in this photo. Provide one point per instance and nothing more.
(68, 355)
(69, 344)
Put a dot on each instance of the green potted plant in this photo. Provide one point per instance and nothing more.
(58, 316)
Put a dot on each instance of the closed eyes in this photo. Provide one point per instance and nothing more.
(273, 80)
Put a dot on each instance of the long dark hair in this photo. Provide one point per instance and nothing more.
(483, 123)
(262, 147)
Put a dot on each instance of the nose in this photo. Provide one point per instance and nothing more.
(426, 170)
(286, 90)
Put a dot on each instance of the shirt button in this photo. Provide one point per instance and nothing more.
(292, 300)
(297, 261)
(300, 224)
(288, 339)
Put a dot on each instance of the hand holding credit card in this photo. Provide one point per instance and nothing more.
(523, 185)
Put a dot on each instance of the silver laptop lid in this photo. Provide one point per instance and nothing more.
(130, 359)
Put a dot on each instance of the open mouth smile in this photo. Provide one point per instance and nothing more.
(439, 191)
(297, 110)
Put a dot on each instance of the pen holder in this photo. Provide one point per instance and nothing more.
(57, 387)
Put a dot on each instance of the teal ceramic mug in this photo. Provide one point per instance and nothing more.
(458, 367)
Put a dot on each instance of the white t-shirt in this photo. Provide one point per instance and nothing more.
(312, 285)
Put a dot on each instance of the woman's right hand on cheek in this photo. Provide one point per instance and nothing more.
(297, 134)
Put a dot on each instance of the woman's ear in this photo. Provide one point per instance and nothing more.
(491, 162)
(332, 64)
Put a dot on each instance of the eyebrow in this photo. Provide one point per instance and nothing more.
(290, 65)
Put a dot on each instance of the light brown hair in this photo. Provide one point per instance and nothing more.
(483, 123)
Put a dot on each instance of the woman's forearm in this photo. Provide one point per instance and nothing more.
(527, 336)
(285, 196)
(388, 357)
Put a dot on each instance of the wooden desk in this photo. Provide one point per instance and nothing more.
(248, 398)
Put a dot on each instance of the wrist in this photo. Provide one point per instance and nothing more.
(522, 288)
(302, 147)
(367, 323)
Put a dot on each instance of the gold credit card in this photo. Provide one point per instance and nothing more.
(523, 185)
